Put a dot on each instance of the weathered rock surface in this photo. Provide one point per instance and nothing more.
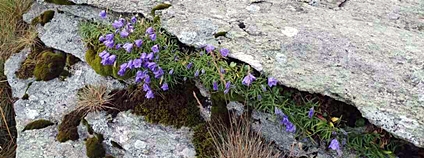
(367, 52)
(141, 139)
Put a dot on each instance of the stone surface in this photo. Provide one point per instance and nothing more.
(49, 100)
(141, 139)
(367, 53)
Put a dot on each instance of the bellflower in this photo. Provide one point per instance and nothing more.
(118, 23)
(227, 87)
(263, 88)
(143, 56)
(279, 112)
(151, 65)
(259, 97)
(128, 47)
(146, 87)
(124, 33)
(272, 81)
(171, 71)
(138, 43)
(102, 39)
(118, 46)
(147, 79)
(150, 56)
(109, 43)
(189, 65)
(222, 70)
(248, 79)
(311, 112)
(150, 30)
(122, 69)
(137, 63)
(129, 27)
(209, 48)
(334, 144)
(215, 86)
(130, 64)
(103, 53)
(164, 86)
(109, 37)
(153, 37)
(290, 127)
(224, 52)
(155, 48)
(139, 76)
(133, 20)
(158, 73)
(149, 94)
(196, 74)
(103, 14)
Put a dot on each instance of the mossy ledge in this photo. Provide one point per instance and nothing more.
(94, 146)
(68, 128)
(44, 18)
(38, 124)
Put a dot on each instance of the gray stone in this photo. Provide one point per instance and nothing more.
(141, 139)
(49, 100)
(363, 53)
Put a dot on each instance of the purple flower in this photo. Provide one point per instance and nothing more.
(139, 76)
(290, 127)
(137, 63)
(109, 43)
(102, 38)
(133, 20)
(334, 144)
(196, 73)
(138, 43)
(124, 33)
(311, 112)
(279, 112)
(143, 56)
(263, 88)
(224, 52)
(118, 23)
(122, 69)
(153, 37)
(171, 71)
(103, 53)
(189, 65)
(130, 64)
(118, 46)
(146, 87)
(215, 86)
(248, 79)
(150, 30)
(222, 70)
(203, 71)
(109, 37)
(272, 81)
(155, 48)
(158, 73)
(259, 97)
(147, 79)
(152, 66)
(149, 94)
(164, 86)
(227, 87)
(128, 47)
(102, 14)
(209, 48)
(130, 28)
(150, 56)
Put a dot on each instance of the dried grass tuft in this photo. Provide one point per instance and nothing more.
(94, 98)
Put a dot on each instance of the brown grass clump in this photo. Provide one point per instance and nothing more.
(238, 140)
(93, 98)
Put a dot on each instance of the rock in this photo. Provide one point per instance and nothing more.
(356, 52)
(49, 100)
(141, 139)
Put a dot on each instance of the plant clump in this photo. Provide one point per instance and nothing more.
(38, 124)
(93, 98)
(50, 65)
(94, 146)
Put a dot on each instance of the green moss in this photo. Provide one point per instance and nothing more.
(44, 18)
(202, 141)
(25, 97)
(49, 66)
(94, 147)
(219, 111)
(60, 2)
(68, 127)
(176, 107)
(27, 68)
(71, 60)
(160, 7)
(38, 124)
(219, 34)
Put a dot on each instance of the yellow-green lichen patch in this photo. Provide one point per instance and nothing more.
(44, 18)
(50, 65)
(68, 127)
(60, 2)
(94, 147)
(38, 124)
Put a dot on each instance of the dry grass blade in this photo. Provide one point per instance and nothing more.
(94, 98)
(239, 141)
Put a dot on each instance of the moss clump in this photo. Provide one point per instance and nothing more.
(44, 18)
(38, 124)
(27, 68)
(25, 97)
(93, 59)
(94, 147)
(49, 66)
(68, 128)
(71, 60)
(160, 7)
(219, 34)
(60, 2)
(202, 141)
(178, 107)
